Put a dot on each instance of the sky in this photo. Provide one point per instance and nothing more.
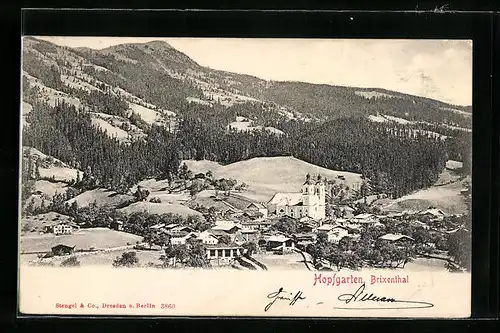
(438, 69)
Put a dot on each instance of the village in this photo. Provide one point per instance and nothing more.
(246, 234)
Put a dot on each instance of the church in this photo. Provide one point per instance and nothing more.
(309, 202)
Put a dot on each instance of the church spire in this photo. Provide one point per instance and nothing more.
(309, 181)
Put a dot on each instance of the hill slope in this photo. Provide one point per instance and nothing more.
(268, 175)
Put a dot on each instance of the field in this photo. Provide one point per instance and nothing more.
(159, 208)
(102, 197)
(57, 169)
(50, 188)
(112, 131)
(148, 115)
(38, 222)
(446, 198)
(268, 175)
(98, 238)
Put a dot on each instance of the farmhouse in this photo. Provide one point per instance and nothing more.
(280, 242)
(256, 208)
(207, 237)
(309, 202)
(337, 233)
(183, 239)
(64, 228)
(229, 229)
(432, 213)
(223, 254)
(257, 224)
(250, 235)
(116, 225)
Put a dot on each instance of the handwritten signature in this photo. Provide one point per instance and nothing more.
(283, 295)
(360, 296)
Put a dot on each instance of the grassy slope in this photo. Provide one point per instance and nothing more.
(268, 175)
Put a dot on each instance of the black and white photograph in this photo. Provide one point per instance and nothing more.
(245, 177)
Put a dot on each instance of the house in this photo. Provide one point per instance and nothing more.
(279, 242)
(157, 226)
(310, 201)
(62, 229)
(224, 222)
(432, 213)
(337, 233)
(345, 211)
(253, 215)
(182, 239)
(116, 225)
(229, 229)
(325, 228)
(171, 226)
(261, 225)
(342, 222)
(396, 238)
(61, 250)
(311, 236)
(305, 227)
(250, 235)
(207, 237)
(180, 229)
(257, 207)
(223, 254)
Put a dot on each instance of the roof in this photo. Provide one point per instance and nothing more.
(326, 227)
(62, 246)
(236, 201)
(171, 225)
(248, 231)
(181, 228)
(257, 222)
(223, 246)
(226, 227)
(278, 238)
(206, 234)
(191, 234)
(305, 235)
(157, 226)
(363, 216)
(309, 181)
(290, 198)
(257, 205)
(253, 213)
(394, 237)
(433, 211)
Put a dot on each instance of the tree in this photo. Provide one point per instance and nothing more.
(176, 253)
(286, 225)
(141, 194)
(251, 247)
(224, 239)
(197, 255)
(70, 262)
(37, 169)
(127, 259)
(242, 187)
(197, 186)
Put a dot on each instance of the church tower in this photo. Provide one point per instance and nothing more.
(308, 191)
(319, 188)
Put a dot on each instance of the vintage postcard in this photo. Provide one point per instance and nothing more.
(245, 177)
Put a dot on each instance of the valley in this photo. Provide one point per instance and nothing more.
(136, 147)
